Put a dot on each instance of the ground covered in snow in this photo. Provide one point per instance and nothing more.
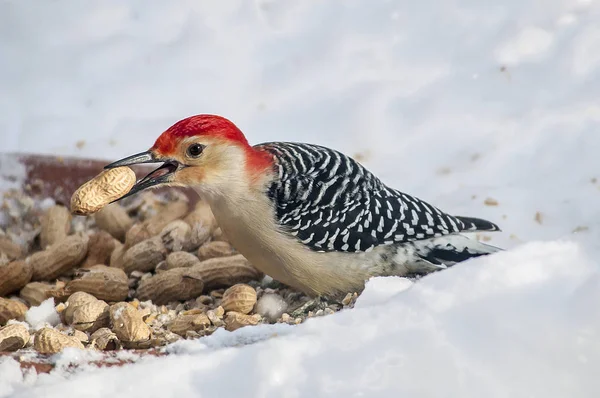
(461, 103)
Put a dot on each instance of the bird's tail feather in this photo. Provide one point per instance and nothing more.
(477, 224)
(451, 249)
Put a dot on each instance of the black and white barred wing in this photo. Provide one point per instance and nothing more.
(332, 203)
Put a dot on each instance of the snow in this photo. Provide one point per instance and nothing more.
(453, 102)
(380, 290)
(271, 306)
(12, 173)
(43, 315)
(513, 324)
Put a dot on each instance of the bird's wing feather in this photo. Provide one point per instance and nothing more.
(332, 203)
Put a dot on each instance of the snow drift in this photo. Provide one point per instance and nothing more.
(519, 323)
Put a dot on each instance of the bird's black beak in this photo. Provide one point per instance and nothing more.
(161, 175)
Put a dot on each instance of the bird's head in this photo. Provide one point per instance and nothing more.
(206, 152)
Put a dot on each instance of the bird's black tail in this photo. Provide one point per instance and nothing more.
(477, 224)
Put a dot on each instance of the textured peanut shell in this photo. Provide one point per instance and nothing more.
(176, 236)
(91, 316)
(236, 320)
(138, 232)
(55, 224)
(104, 339)
(102, 282)
(74, 301)
(51, 341)
(114, 220)
(226, 271)
(216, 316)
(144, 256)
(79, 335)
(172, 211)
(215, 249)
(184, 323)
(10, 248)
(13, 337)
(127, 323)
(181, 260)
(199, 236)
(178, 284)
(36, 292)
(106, 187)
(100, 247)
(117, 255)
(13, 276)
(59, 258)
(155, 224)
(201, 215)
(239, 298)
(11, 309)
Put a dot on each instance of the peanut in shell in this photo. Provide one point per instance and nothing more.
(51, 341)
(13, 337)
(102, 282)
(178, 284)
(128, 325)
(55, 224)
(13, 276)
(103, 189)
(239, 298)
(11, 309)
(114, 220)
(59, 258)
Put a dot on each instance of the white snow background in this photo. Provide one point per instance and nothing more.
(453, 101)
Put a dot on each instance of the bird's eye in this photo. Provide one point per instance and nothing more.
(195, 150)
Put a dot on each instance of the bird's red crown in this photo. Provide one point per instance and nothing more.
(213, 126)
(199, 125)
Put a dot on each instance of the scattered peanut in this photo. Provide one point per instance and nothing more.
(180, 260)
(239, 298)
(73, 302)
(10, 249)
(36, 292)
(226, 271)
(100, 247)
(104, 339)
(114, 220)
(13, 337)
(59, 258)
(104, 283)
(202, 215)
(172, 275)
(56, 223)
(51, 341)
(235, 320)
(117, 255)
(136, 234)
(144, 256)
(11, 309)
(178, 284)
(171, 212)
(215, 249)
(13, 276)
(90, 316)
(176, 236)
(128, 325)
(184, 323)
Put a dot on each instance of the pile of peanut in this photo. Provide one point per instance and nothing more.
(135, 275)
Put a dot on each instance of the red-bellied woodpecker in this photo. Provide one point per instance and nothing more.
(306, 215)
